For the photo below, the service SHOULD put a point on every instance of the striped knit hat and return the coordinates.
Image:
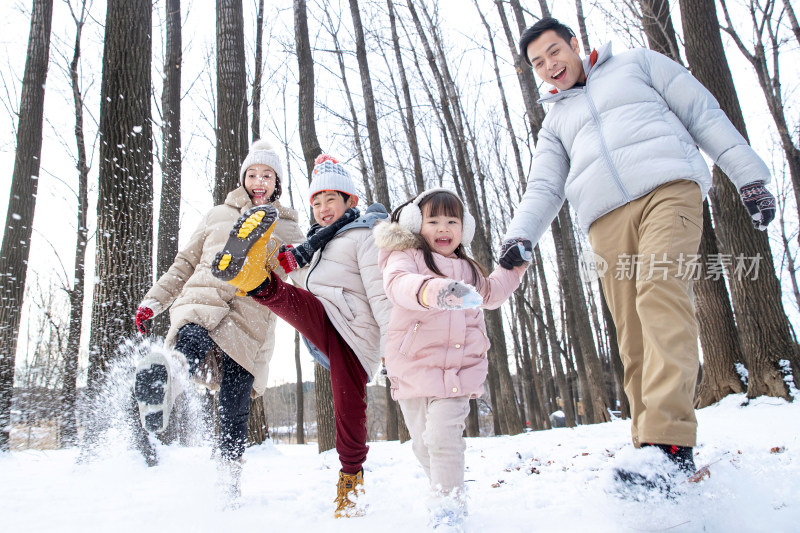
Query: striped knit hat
(330, 175)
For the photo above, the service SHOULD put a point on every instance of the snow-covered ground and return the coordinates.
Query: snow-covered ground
(556, 480)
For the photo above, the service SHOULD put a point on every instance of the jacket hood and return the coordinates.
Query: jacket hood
(284, 212)
(393, 237)
(373, 214)
(238, 198)
(590, 62)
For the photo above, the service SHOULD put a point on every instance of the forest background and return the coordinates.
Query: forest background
(409, 95)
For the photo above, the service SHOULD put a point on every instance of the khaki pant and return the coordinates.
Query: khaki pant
(436, 426)
(646, 245)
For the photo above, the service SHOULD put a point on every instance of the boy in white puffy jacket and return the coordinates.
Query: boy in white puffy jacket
(620, 142)
(342, 312)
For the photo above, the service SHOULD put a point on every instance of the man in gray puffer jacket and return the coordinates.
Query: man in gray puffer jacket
(620, 142)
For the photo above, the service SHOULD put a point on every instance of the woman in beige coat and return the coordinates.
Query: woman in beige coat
(206, 312)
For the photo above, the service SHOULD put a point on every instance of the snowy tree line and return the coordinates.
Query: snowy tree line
(411, 94)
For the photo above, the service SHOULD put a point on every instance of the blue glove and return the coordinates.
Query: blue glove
(759, 203)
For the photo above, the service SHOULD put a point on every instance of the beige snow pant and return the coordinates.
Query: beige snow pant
(436, 426)
(648, 245)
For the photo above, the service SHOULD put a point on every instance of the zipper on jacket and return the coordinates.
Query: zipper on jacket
(314, 266)
(410, 340)
(606, 153)
(319, 256)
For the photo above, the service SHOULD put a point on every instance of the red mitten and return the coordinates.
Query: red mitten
(142, 314)
(286, 258)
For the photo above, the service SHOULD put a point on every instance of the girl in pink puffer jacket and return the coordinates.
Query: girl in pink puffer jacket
(436, 340)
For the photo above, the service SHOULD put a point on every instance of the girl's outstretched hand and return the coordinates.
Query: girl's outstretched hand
(449, 295)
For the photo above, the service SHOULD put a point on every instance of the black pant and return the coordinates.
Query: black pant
(234, 391)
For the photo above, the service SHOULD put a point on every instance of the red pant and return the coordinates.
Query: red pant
(304, 312)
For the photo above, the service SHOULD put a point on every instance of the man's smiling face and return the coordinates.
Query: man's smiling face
(556, 61)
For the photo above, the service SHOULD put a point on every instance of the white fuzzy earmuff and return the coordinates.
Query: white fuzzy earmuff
(411, 216)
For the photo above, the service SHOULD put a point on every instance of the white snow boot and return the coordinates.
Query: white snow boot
(447, 512)
(156, 386)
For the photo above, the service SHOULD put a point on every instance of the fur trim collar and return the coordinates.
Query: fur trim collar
(392, 236)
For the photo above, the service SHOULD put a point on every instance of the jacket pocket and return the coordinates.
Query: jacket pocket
(408, 340)
(687, 230)
(344, 307)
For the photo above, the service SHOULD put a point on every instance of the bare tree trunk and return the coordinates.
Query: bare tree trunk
(718, 336)
(504, 102)
(530, 91)
(125, 194)
(537, 403)
(658, 28)
(354, 116)
(597, 403)
(555, 347)
(392, 430)
(257, 73)
(76, 295)
(524, 373)
(170, 206)
(306, 125)
(543, 7)
(770, 84)
(299, 394)
(231, 127)
(616, 361)
(506, 410)
(410, 125)
(402, 429)
(257, 427)
(473, 420)
(791, 266)
(378, 166)
(22, 202)
(326, 427)
(587, 48)
(546, 382)
(757, 305)
(787, 4)
(323, 391)
(716, 326)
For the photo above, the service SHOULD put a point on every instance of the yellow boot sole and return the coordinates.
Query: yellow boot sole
(250, 254)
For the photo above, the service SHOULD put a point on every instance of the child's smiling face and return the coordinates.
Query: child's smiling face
(441, 232)
(329, 206)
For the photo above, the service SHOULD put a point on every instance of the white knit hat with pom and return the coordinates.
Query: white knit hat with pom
(261, 153)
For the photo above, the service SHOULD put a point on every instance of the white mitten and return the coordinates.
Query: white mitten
(449, 295)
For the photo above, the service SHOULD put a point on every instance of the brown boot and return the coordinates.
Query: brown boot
(349, 489)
